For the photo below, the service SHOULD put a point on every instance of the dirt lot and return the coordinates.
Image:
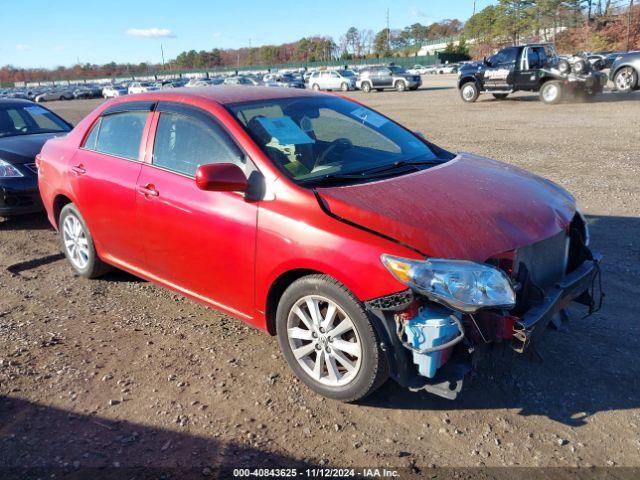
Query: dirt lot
(120, 373)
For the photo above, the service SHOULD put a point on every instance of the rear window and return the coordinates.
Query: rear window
(28, 120)
(118, 134)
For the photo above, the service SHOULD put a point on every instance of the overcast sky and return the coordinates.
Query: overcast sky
(46, 33)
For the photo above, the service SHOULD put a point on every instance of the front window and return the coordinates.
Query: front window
(183, 143)
(320, 138)
(29, 120)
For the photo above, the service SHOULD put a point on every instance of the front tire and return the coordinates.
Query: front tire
(551, 92)
(500, 96)
(365, 87)
(469, 92)
(401, 85)
(328, 340)
(344, 87)
(625, 80)
(77, 244)
(316, 87)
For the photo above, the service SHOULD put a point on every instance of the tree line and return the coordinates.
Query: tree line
(574, 25)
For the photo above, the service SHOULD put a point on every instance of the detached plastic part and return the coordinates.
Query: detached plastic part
(432, 327)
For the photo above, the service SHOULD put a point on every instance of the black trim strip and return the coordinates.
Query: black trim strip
(130, 107)
(326, 210)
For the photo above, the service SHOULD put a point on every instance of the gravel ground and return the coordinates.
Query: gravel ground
(120, 373)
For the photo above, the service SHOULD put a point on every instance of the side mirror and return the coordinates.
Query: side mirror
(221, 177)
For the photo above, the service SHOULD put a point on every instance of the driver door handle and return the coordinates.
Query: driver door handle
(148, 191)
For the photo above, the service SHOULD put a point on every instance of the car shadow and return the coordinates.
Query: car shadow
(40, 441)
(589, 367)
(36, 221)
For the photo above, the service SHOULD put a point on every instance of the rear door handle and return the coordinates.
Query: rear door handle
(79, 169)
(148, 190)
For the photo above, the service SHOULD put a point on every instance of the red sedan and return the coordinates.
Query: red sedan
(369, 251)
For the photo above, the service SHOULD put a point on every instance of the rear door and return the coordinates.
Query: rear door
(526, 76)
(105, 171)
(199, 242)
(334, 80)
(384, 77)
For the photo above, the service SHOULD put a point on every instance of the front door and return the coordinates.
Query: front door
(199, 242)
(104, 177)
(499, 75)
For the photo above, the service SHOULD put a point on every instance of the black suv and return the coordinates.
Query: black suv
(380, 78)
(534, 68)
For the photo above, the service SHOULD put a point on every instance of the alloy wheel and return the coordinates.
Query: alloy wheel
(324, 341)
(624, 79)
(75, 242)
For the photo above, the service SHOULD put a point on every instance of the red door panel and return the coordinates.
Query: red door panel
(104, 187)
(201, 243)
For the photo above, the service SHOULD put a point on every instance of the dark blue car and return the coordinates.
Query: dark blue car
(24, 128)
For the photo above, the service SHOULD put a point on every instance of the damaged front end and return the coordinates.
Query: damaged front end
(433, 332)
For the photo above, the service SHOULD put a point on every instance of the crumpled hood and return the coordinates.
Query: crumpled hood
(24, 148)
(468, 208)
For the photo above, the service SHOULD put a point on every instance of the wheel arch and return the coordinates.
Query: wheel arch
(59, 202)
(467, 79)
(277, 288)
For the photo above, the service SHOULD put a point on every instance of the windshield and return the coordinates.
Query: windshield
(397, 70)
(312, 138)
(28, 120)
(346, 73)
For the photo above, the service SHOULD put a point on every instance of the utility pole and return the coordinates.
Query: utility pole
(162, 53)
(629, 25)
(474, 7)
(388, 33)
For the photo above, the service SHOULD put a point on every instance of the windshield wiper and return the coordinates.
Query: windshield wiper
(378, 172)
(401, 163)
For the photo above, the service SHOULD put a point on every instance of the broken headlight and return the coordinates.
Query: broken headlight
(459, 284)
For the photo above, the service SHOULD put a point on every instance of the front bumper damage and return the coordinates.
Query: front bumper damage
(579, 285)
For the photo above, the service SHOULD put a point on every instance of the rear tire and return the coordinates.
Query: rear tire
(551, 92)
(625, 80)
(469, 92)
(337, 351)
(77, 244)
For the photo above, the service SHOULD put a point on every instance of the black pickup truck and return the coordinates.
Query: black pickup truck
(534, 68)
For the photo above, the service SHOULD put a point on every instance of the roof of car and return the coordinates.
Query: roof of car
(15, 102)
(224, 94)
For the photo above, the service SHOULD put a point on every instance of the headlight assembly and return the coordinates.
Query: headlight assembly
(580, 66)
(459, 284)
(9, 171)
(564, 67)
